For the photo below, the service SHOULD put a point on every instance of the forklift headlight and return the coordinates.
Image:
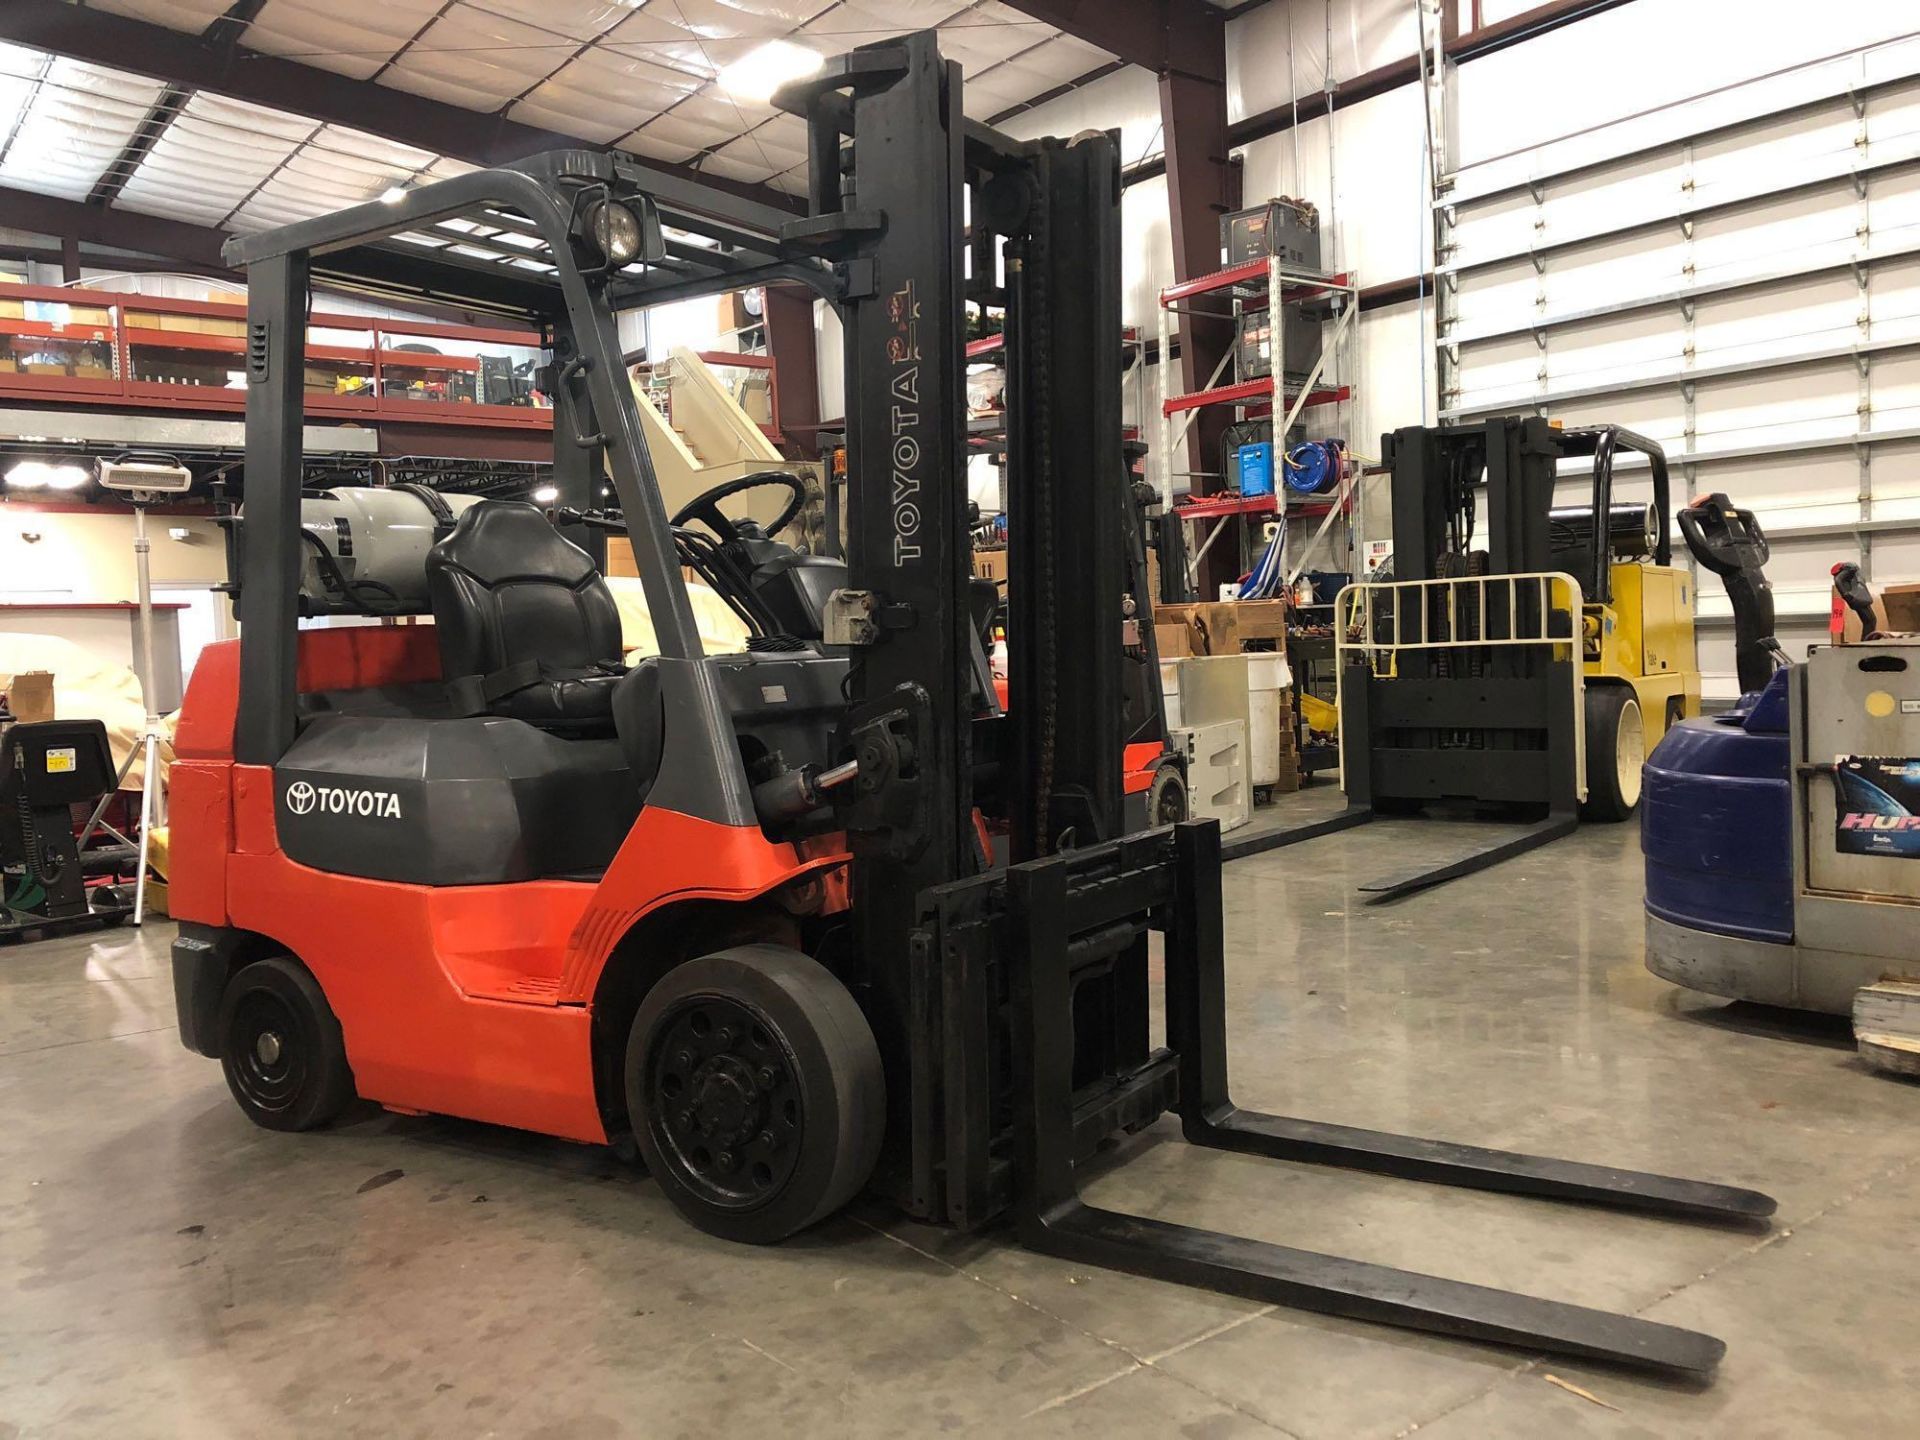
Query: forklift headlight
(616, 232)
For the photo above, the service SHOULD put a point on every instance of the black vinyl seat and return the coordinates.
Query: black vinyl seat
(527, 627)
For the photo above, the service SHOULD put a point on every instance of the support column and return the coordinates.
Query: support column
(1202, 186)
(790, 341)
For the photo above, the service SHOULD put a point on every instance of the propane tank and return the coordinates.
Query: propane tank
(376, 542)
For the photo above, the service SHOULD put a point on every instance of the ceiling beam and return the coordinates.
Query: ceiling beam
(118, 229)
(1099, 72)
(163, 113)
(118, 43)
(1158, 35)
(225, 32)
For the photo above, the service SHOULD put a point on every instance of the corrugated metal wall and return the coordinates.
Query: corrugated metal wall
(1681, 145)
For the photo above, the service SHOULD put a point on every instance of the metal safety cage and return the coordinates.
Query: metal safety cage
(596, 423)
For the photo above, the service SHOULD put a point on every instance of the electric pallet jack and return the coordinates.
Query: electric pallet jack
(1780, 835)
(743, 908)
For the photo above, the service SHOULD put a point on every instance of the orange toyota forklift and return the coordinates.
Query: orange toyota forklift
(744, 909)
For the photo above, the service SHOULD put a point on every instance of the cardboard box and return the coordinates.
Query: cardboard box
(1260, 620)
(990, 565)
(42, 367)
(1902, 606)
(1229, 627)
(91, 370)
(30, 696)
(11, 309)
(1173, 639)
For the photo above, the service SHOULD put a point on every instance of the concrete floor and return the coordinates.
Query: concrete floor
(169, 1270)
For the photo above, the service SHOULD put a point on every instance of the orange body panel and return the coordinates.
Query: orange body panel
(1137, 766)
(459, 1000)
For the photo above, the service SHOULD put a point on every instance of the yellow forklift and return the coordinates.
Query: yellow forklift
(1640, 663)
(1520, 655)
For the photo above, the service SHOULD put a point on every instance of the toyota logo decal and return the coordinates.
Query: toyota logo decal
(300, 797)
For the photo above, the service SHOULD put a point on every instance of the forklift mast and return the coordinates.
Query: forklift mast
(891, 152)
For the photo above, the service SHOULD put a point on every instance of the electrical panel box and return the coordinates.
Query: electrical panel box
(1284, 227)
(1254, 466)
(1289, 229)
(1253, 345)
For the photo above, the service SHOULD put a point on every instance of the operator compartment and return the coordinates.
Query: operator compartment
(527, 757)
(533, 749)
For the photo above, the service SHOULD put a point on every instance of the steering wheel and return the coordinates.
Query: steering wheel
(705, 507)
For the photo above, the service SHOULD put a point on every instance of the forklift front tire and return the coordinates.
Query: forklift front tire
(281, 1048)
(755, 1090)
(1167, 798)
(1616, 749)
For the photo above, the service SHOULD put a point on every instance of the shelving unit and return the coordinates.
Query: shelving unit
(1250, 287)
(81, 346)
(987, 434)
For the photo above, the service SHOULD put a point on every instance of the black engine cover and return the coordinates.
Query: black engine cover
(483, 801)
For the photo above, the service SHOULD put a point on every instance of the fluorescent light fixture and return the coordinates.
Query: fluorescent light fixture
(393, 195)
(546, 494)
(40, 475)
(755, 76)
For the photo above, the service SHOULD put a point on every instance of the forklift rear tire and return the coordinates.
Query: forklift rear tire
(281, 1048)
(1616, 749)
(756, 1093)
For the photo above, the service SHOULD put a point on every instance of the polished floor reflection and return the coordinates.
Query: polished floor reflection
(169, 1270)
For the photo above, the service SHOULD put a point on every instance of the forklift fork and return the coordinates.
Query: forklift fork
(1558, 823)
(1053, 1219)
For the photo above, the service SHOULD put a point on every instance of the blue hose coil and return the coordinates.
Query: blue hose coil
(1313, 468)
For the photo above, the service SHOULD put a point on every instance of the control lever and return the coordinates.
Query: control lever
(1729, 541)
(793, 793)
(1850, 588)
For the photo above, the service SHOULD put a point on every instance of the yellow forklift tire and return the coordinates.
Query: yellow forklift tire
(1616, 749)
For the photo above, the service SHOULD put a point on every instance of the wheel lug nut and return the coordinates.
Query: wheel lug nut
(728, 1160)
(684, 1059)
(767, 1077)
(769, 1139)
(686, 1119)
(725, 1036)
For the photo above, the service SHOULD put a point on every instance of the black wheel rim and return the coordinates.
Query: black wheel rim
(267, 1048)
(723, 1100)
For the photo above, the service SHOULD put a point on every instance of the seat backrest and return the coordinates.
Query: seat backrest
(507, 587)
